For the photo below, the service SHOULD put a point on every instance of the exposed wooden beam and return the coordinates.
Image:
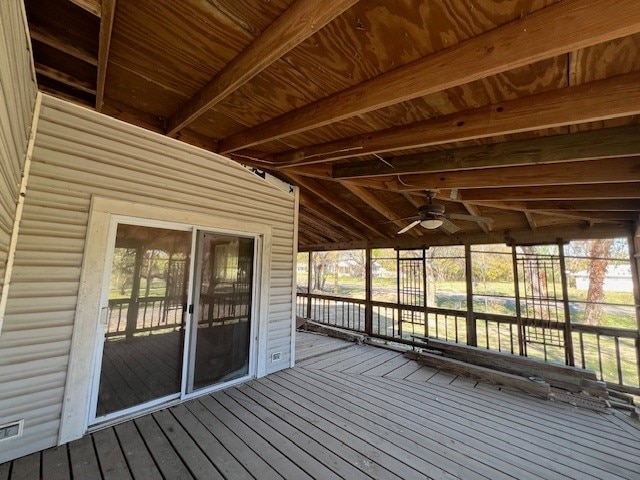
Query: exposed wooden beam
(64, 78)
(523, 236)
(474, 210)
(65, 96)
(531, 220)
(622, 205)
(589, 145)
(378, 205)
(573, 192)
(600, 100)
(329, 216)
(92, 6)
(554, 30)
(54, 40)
(104, 43)
(570, 173)
(308, 220)
(317, 189)
(301, 20)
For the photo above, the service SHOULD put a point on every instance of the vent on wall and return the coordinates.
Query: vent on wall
(11, 430)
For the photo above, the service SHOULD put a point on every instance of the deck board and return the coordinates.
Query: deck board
(349, 411)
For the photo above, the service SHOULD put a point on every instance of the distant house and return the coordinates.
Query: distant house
(618, 278)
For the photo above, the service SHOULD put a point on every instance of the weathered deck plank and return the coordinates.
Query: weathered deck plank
(356, 412)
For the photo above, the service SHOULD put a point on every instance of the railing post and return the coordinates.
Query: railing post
(568, 338)
(472, 334)
(516, 281)
(309, 284)
(634, 252)
(368, 310)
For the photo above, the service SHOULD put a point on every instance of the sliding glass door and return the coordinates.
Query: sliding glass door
(222, 309)
(157, 344)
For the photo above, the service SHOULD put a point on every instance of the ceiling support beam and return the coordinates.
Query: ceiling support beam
(106, 27)
(54, 40)
(329, 216)
(64, 78)
(309, 220)
(569, 174)
(383, 209)
(583, 205)
(317, 189)
(590, 102)
(554, 30)
(610, 191)
(294, 26)
(589, 145)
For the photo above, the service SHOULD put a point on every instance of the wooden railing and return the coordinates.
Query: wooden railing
(611, 352)
(153, 313)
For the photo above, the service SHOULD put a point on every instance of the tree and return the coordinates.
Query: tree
(599, 253)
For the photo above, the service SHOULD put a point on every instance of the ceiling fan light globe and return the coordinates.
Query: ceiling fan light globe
(431, 224)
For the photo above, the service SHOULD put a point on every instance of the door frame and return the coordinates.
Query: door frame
(76, 408)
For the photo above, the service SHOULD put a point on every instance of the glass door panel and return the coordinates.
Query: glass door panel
(222, 309)
(144, 333)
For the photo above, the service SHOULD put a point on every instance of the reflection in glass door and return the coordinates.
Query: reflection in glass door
(144, 332)
(222, 309)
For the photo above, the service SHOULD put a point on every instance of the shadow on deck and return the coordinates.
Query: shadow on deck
(354, 412)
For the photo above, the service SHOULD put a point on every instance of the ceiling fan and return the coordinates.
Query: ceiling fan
(432, 216)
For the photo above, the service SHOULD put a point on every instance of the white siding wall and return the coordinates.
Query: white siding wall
(17, 97)
(79, 153)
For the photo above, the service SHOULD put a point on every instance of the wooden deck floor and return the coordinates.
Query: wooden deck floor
(355, 412)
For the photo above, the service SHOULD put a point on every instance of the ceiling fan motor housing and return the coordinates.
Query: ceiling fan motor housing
(431, 210)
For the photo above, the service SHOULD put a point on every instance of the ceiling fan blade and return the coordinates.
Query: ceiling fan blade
(412, 217)
(408, 227)
(470, 218)
(449, 226)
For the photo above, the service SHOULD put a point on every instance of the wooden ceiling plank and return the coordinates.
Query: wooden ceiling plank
(552, 31)
(104, 44)
(308, 220)
(589, 145)
(294, 26)
(570, 173)
(606, 191)
(64, 78)
(328, 216)
(383, 209)
(609, 98)
(92, 6)
(54, 40)
(318, 190)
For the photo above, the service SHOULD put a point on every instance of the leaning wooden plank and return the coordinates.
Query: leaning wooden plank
(334, 332)
(580, 400)
(511, 363)
(540, 389)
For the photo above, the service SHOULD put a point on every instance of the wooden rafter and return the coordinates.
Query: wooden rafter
(106, 26)
(558, 29)
(474, 210)
(92, 6)
(531, 220)
(308, 220)
(301, 20)
(54, 40)
(317, 189)
(589, 145)
(564, 192)
(329, 216)
(309, 226)
(604, 99)
(64, 78)
(583, 205)
(378, 205)
(570, 173)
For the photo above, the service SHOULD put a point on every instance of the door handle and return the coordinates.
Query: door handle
(103, 315)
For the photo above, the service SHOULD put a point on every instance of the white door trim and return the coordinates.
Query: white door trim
(77, 399)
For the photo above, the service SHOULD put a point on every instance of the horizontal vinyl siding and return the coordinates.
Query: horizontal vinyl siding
(79, 153)
(17, 98)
